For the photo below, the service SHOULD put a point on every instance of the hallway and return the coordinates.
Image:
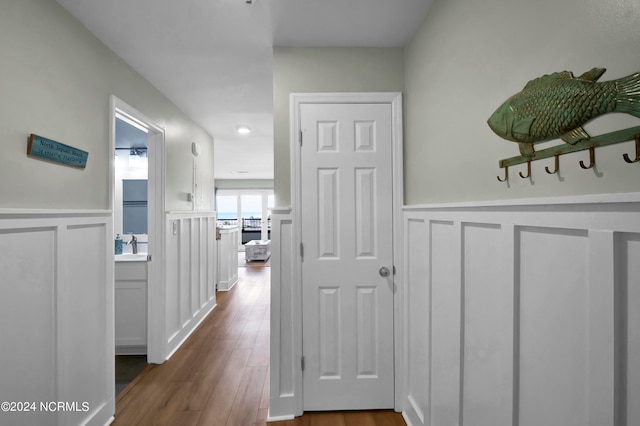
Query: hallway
(220, 374)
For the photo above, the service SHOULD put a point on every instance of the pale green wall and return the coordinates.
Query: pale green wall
(55, 81)
(470, 56)
(315, 70)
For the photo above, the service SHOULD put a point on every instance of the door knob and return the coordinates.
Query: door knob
(384, 272)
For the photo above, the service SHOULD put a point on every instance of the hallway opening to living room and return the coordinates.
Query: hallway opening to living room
(219, 375)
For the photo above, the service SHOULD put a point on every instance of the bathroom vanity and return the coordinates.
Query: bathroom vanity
(131, 304)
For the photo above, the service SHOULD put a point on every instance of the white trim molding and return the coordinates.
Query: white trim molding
(510, 306)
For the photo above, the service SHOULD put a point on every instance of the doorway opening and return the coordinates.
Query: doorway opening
(137, 205)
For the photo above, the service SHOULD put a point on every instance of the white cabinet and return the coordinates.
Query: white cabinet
(228, 257)
(131, 307)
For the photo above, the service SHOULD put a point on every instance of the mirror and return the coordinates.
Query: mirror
(134, 206)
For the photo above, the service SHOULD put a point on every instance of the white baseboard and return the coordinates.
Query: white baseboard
(278, 418)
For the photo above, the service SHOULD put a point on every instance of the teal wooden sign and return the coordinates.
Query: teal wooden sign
(51, 150)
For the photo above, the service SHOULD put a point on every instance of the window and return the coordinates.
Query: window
(227, 208)
(251, 206)
(248, 209)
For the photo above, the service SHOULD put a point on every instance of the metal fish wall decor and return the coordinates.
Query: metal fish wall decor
(558, 105)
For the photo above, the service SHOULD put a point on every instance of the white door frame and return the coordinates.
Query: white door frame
(156, 306)
(395, 100)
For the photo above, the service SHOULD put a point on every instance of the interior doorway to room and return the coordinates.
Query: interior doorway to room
(137, 203)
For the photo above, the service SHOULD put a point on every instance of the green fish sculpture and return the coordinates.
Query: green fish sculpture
(558, 105)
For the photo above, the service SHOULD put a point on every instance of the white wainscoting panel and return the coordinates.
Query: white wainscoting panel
(445, 321)
(418, 319)
(628, 348)
(523, 313)
(553, 326)
(285, 375)
(228, 257)
(56, 311)
(483, 300)
(190, 273)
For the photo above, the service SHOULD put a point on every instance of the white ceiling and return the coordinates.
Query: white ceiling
(213, 58)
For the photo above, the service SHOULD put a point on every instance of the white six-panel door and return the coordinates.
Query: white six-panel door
(346, 218)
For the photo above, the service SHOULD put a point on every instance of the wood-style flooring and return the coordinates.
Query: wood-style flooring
(220, 375)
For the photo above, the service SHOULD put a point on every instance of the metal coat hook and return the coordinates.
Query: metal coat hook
(592, 159)
(626, 156)
(506, 175)
(591, 143)
(557, 165)
(528, 171)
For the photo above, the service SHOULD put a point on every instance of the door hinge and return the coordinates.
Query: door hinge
(302, 362)
(148, 258)
(302, 251)
(300, 137)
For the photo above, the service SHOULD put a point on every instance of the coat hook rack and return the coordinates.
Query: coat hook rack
(632, 133)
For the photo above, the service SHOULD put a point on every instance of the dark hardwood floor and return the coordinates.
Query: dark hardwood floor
(220, 375)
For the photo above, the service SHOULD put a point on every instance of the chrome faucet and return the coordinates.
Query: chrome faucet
(134, 244)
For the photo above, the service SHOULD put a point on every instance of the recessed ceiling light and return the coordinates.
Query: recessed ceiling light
(243, 130)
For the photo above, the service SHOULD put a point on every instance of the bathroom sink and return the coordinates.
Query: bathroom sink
(129, 257)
